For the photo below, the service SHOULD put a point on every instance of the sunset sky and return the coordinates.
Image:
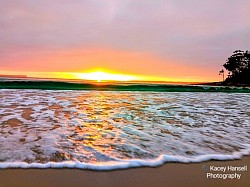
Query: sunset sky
(171, 40)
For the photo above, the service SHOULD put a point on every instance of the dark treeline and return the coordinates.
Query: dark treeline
(238, 66)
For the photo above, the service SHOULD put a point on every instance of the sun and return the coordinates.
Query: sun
(100, 76)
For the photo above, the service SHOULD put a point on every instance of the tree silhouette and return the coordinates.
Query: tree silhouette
(238, 66)
(222, 73)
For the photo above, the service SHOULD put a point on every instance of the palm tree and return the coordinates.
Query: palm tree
(221, 72)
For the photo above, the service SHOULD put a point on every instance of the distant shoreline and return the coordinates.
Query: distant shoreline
(30, 79)
(224, 84)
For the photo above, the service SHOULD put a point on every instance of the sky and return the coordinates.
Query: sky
(172, 40)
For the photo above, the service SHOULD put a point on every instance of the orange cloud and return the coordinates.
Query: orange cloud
(143, 65)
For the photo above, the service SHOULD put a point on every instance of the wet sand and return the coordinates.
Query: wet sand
(170, 174)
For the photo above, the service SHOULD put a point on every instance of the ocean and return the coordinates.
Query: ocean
(106, 129)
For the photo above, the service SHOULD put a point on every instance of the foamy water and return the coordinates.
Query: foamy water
(110, 130)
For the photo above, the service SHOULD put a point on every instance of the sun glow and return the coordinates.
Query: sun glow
(100, 76)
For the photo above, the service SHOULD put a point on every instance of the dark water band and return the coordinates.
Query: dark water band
(54, 85)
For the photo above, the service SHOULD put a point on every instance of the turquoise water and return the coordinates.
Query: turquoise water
(54, 85)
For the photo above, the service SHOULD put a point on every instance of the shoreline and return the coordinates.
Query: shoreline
(222, 84)
(169, 174)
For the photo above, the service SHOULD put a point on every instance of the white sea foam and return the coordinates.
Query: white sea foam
(111, 130)
(124, 164)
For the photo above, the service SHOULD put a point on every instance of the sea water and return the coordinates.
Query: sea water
(107, 130)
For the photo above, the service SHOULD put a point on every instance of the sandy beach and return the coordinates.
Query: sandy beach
(170, 174)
